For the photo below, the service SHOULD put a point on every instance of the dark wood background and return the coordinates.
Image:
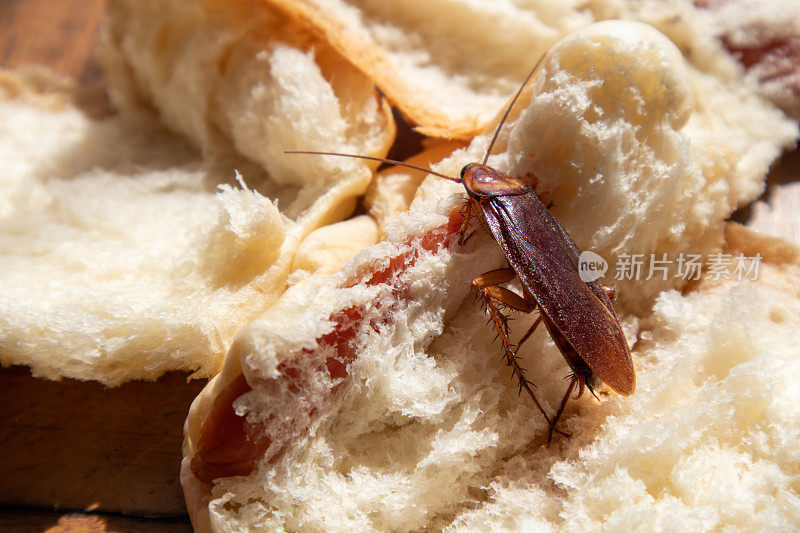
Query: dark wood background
(57, 33)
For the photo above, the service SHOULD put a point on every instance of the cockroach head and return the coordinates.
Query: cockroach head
(483, 181)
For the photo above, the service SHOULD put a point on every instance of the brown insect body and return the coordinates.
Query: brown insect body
(579, 315)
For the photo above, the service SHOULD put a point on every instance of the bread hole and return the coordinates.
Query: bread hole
(232, 506)
(777, 315)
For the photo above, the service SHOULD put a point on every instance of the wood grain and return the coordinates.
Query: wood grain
(58, 33)
(37, 521)
(79, 445)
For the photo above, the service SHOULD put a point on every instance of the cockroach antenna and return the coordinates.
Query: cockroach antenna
(510, 106)
(379, 159)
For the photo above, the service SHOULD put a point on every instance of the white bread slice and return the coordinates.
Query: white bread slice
(125, 254)
(122, 258)
(425, 428)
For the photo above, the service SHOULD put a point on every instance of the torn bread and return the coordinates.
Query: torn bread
(445, 66)
(241, 76)
(433, 435)
(125, 253)
(640, 154)
(374, 399)
(449, 66)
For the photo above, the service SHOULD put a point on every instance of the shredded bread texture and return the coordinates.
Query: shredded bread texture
(438, 437)
(116, 254)
(638, 152)
(375, 398)
(427, 429)
(449, 66)
(239, 76)
(761, 36)
(125, 253)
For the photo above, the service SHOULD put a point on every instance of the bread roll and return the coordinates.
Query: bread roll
(374, 399)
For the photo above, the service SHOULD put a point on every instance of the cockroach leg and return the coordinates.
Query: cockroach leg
(486, 287)
(530, 332)
(576, 379)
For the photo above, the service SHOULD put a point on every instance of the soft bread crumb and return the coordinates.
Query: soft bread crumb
(428, 430)
(117, 259)
(121, 257)
(446, 66)
(241, 76)
(450, 66)
(435, 435)
(708, 439)
(752, 41)
(326, 249)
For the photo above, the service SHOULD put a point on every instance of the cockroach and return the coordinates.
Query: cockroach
(579, 315)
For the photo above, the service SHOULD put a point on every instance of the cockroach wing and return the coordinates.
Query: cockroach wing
(545, 258)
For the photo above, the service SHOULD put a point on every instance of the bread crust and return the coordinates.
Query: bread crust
(368, 56)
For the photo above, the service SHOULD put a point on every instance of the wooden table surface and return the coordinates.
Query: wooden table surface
(77, 456)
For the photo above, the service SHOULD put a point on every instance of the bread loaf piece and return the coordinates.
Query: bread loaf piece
(374, 399)
(638, 152)
(240, 76)
(448, 66)
(428, 430)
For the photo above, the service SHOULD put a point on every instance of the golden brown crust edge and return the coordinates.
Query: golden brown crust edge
(368, 57)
